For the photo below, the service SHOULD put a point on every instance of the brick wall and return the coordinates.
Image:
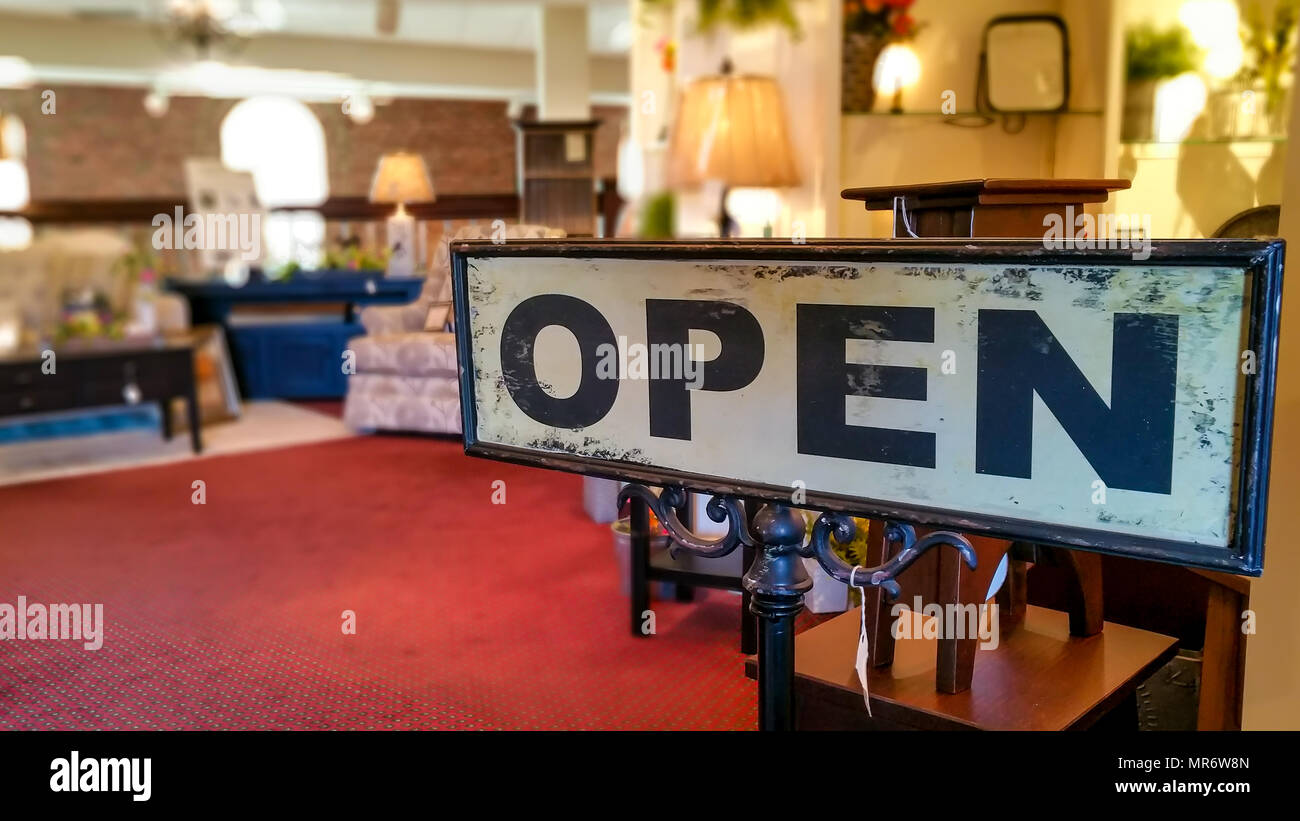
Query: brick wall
(101, 144)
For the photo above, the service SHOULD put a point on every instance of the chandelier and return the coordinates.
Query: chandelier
(209, 26)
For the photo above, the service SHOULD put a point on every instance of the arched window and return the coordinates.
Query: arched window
(282, 143)
(15, 232)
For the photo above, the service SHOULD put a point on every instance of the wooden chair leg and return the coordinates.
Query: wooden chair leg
(1083, 587)
(1084, 594)
(956, 663)
(879, 635)
(1012, 598)
(1219, 707)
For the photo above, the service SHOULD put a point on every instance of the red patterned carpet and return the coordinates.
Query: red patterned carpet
(227, 615)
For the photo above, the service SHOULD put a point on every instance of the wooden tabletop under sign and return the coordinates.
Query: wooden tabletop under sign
(996, 191)
(1038, 678)
(984, 208)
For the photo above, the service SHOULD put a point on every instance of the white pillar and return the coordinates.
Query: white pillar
(563, 65)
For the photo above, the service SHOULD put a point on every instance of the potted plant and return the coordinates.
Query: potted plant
(711, 15)
(828, 595)
(1270, 51)
(1151, 55)
(869, 26)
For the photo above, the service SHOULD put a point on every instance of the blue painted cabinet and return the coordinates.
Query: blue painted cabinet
(300, 360)
(288, 355)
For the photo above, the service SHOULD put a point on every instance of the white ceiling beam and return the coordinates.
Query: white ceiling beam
(125, 53)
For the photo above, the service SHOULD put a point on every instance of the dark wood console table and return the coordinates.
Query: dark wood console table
(96, 377)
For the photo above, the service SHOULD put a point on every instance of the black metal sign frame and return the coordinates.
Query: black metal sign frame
(1259, 261)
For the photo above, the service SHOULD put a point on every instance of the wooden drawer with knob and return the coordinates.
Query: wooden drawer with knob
(93, 378)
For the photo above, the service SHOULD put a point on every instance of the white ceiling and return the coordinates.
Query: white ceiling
(506, 24)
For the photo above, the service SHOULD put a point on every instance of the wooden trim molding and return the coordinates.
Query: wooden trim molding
(448, 207)
(445, 207)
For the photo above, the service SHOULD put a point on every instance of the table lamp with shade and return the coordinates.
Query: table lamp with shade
(401, 178)
(732, 128)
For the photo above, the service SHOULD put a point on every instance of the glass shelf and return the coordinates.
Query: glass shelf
(961, 114)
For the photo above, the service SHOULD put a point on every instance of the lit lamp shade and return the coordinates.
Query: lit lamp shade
(401, 178)
(732, 128)
(897, 68)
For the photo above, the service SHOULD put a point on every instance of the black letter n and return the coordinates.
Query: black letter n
(1130, 444)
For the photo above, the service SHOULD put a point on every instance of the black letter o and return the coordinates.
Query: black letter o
(594, 396)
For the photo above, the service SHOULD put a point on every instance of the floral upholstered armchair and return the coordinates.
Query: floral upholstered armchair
(406, 376)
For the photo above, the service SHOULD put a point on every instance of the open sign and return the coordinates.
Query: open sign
(1074, 398)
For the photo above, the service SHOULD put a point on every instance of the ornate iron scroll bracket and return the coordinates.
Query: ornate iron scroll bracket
(842, 529)
(719, 509)
(777, 579)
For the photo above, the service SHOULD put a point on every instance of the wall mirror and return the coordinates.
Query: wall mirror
(1026, 63)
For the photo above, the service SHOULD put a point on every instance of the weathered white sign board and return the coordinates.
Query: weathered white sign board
(1076, 398)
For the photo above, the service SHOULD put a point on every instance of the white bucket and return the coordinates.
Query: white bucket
(827, 594)
(600, 498)
(623, 550)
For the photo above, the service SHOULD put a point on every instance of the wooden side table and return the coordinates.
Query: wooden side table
(644, 571)
(1038, 678)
